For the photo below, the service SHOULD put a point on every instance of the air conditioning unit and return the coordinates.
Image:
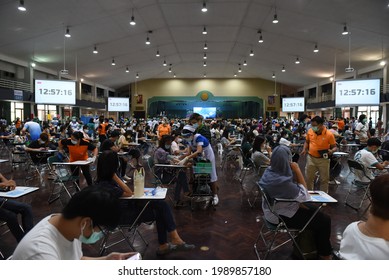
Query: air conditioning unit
(349, 70)
(64, 72)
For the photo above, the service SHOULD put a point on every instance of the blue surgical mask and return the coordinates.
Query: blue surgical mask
(315, 128)
(95, 236)
(74, 142)
(167, 147)
(364, 121)
(196, 125)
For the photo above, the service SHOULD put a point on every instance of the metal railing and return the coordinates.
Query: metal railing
(4, 83)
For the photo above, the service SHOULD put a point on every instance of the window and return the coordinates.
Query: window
(17, 110)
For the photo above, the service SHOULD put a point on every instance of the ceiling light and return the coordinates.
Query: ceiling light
(205, 64)
(204, 8)
(147, 40)
(297, 60)
(137, 76)
(283, 69)
(275, 18)
(273, 76)
(21, 6)
(251, 53)
(240, 70)
(205, 56)
(345, 31)
(132, 22)
(67, 34)
(205, 75)
(245, 63)
(170, 69)
(157, 54)
(95, 51)
(33, 64)
(383, 63)
(235, 75)
(81, 79)
(205, 31)
(164, 63)
(205, 46)
(113, 62)
(127, 70)
(174, 75)
(332, 79)
(316, 50)
(260, 37)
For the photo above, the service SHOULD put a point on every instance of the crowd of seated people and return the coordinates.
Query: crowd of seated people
(267, 142)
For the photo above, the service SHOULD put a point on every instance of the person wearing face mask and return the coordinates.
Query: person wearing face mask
(367, 157)
(41, 144)
(197, 121)
(60, 236)
(362, 133)
(175, 148)
(284, 179)
(320, 145)
(163, 155)
(78, 150)
(200, 146)
(163, 129)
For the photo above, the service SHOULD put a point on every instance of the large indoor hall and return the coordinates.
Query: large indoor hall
(194, 130)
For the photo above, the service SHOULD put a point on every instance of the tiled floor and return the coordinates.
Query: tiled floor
(228, 232)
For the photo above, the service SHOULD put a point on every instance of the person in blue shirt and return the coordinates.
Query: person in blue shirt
(33, 128)
(200, 146)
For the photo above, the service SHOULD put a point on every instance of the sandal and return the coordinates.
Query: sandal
(167, 250)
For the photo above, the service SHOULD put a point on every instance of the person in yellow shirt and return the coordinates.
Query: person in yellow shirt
(164, 128)
(320, 145)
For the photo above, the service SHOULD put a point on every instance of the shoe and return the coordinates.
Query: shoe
(185, 247)
(125, 177)
(215, 200)
(169, 249)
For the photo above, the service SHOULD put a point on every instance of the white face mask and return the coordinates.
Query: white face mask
(86, 130)
(179, 140)
(74, 142)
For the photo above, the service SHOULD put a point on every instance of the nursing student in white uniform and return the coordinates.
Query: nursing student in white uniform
(60, 236)
(201, 146)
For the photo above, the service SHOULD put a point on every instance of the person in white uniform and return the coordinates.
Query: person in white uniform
(200, 146)
(60, 236)
(370, 240)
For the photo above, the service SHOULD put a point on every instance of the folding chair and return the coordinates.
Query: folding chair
(273, 230)
(3, 224)
(62, 177)
(156, 180)
(361, 190)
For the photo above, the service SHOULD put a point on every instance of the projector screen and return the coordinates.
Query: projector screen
(117, 104)
(55, 92)
(293, 104)
(206, 112)
(357, 92)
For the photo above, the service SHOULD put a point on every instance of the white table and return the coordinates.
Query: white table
(78, 162)
(150, 194)
(321, 197)
(19, 191)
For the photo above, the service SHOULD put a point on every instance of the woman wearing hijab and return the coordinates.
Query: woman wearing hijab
(284, 179)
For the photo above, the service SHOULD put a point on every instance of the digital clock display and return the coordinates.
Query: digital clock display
(357, 92)
(118, 104)
(293, 104)
(55, 92)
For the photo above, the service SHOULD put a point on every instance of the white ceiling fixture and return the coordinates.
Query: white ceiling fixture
(137, 76)
(127, 70)
(315, 49)
(283, 70)
(21, 6)
(113, 63)
(205, 31)
(205, 46)
(275, 17)
(235, 75)
(132, 21)
(273, 76)
(345, 30)
(245, 63)
(95, 51)
(205, 64)
(251, 53)
(240, 68)
(205, 56)
(297, 60)
(174, 75)
(67, 33)
(205, 75)
(33, 64)
(260, 36)
(170, 68)
(157, 54)
(204, 8)
(164, 63)
(148, 38)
